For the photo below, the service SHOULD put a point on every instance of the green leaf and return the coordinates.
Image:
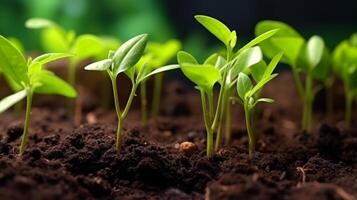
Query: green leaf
(211, 60)
(49, 83)
(291, 47)
(185, 57)
(257, 70)
(258, 39)
(37, 23)
(156, 71)
(100, 65)
(54, 39)
(12, 62)
(244, 85)
(261, 84)
(163, 53)
(265, 100)
(220, 63)
(87, 46)
(10, 100)
(50, 57)
(129, 53)
(204, 76)
(314, 50)
(323, 70)
(17, 43)
(246, 59)
(216, 27)
(268, 47)
(272, 65)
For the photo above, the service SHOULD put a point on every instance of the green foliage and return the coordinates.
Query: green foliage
(29, 77)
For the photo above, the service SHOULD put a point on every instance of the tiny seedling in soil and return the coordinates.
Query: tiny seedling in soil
(32, 78)
(127, 59)
(310, 57)
(222, 69)
(345, 66)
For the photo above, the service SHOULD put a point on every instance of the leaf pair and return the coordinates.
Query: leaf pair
(30, 76)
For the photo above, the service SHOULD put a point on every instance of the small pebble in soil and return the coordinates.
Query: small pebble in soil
(188, 148)
(91, 118)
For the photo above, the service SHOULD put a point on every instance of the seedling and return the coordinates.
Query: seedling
(247, 93)
(54, 38)
(222, 69)
(345, 66)
(31, 78)
(310, 57)
(126, 60)
(157, 55)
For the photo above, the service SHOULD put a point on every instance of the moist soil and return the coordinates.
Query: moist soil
(64, 161)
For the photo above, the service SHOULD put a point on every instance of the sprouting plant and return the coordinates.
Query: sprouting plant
(125, 60)
(54, 38)
(157, 55)
(310, 57)
(345, 66)
(247, 93)
(222, 69)
(31, 78)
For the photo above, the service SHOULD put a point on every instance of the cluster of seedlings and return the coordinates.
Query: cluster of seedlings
(238, 73)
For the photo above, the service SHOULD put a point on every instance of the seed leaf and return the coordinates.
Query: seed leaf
(87, 46)
(246, 59)
(49, 83)
(54, 39)
(129, 53)
(100, 65)
(258, 39)
(50, 57)
(291, 47)
(156, 71)
(257, 70)
(314, 50)
(185, 57)
(211, 60)
(244, 85)
(216, 27)
(261, 84)
(12, 62)
(204, 76)
(272, 65)
(10, 100)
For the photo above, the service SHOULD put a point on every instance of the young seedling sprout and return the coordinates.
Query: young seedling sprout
(31, 78)
(345, 66)
(310, 57)
(157, 55)
(222, 69)
(125, 60)
(247, 91)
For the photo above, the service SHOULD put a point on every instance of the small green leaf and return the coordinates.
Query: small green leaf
(156, 71)
(233, 40)
(100, 65)
(272, 65)
(323, 70)
(211, 60)
(37, 23)
(205, 76)
(50, 57)
(216, 27)
(87, 46)
(314, 50)
(246, 59)
(129, 53)
(49, 83)
(10, 100)
(54, 39)
(163, 53)
(258, 39)
(261, 84)
(257, 70)
(12, 62)
(185, 57)
(244, 85)
(220, 63)
(291, 47)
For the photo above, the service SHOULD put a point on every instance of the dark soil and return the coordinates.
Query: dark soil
(67, 162)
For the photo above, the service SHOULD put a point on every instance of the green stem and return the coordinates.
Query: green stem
(298, 83)
(130, 100)
(348, 111)
(71, 76)
(251, 136)
(27, 121)
(118, 112)
(228, 119)
(209, 131)
(308, 100)
(221, 119)
(157, 94)
(144, 110)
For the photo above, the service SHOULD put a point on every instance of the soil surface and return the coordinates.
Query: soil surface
(64, 161)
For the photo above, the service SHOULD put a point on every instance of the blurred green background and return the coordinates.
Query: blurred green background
(165, 19)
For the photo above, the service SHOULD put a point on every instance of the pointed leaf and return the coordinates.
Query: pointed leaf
(244, 85)
(246, 59)
(185, 57)
(12, 62)
(50, 57)
(129, 54)
(100, 65)
(314, 50)
(261, 84)
(87, 46)
(211, 60)
(258, 39)
(257, 70)
(156, 71)
(272, 65)
(216, 27)
(10, 100)
(204, 76)
(291, 47)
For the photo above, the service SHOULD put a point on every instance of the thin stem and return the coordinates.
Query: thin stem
(118, 112)
(71, 76)
(27, 122)
(157, 94)
(348, 111)
(221, 119)
(130, 100)
(298, 83)
(144, 110)
(308, 100)
(209, 131)
(251, 136)
(228, 123)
